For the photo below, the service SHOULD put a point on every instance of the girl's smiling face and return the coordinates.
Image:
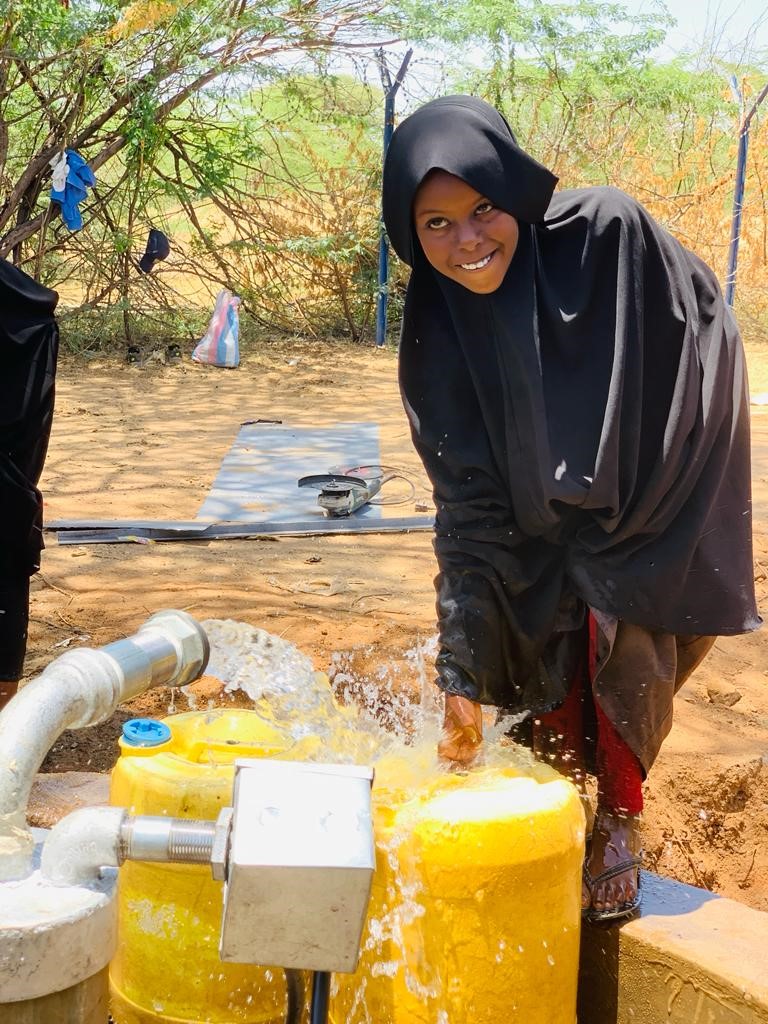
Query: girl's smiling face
(463, 235)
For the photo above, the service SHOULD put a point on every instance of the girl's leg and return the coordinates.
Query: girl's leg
(558, 736)
(559, 739)
(619, 773)
(616, 832)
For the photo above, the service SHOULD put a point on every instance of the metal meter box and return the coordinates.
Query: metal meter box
(299, 865)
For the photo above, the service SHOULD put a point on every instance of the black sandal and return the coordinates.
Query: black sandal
(625, 909)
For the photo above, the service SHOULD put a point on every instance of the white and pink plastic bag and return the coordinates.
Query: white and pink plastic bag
(220, 346)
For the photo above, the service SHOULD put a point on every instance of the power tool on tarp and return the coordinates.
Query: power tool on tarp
(343, 490)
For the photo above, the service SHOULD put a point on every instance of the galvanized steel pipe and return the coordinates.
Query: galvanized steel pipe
(159, 839)
(79, 689)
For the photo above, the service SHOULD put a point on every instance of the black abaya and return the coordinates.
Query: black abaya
(585, 426)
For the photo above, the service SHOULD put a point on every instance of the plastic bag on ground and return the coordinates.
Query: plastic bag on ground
(220, 345)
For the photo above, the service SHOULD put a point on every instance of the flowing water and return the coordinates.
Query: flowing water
(379, 725)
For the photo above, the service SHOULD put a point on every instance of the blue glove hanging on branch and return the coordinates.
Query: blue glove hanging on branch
(71, 179)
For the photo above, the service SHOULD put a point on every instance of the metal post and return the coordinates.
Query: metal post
(738, 195)
(390, 90)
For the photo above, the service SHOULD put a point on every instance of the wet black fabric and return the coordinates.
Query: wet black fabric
(28, 352)
(585, 427)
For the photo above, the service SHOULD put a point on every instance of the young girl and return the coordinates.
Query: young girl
(576, 390)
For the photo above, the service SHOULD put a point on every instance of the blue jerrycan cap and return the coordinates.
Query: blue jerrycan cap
(145, 732)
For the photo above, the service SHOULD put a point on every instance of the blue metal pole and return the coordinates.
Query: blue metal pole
(381, 295)
(738, 194)
(390, 91)
(738, 200)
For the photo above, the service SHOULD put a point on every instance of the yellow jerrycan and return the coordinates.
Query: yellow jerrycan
(167, 967)
(476, 903)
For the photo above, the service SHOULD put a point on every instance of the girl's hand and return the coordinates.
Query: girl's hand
(462, 731)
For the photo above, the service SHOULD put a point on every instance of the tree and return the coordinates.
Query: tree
(106, 79)
(578, 83)
(290, 222)
(577, 39)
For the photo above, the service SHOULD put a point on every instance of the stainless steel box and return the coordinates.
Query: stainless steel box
(299, 866)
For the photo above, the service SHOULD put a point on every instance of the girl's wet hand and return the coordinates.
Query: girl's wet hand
(462, 731)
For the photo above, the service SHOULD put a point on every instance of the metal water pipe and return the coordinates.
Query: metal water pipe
(82, 688)
(390, 91)
(58, 925)
(282, 905)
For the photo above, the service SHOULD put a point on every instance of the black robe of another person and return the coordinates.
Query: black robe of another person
(29, 342)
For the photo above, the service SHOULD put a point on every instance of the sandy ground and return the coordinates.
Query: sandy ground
(146, 442)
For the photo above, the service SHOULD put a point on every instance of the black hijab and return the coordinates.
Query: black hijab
(28, 353)
(585, 426)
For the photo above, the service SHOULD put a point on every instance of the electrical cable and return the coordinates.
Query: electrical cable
(386, 473)
(321, 988)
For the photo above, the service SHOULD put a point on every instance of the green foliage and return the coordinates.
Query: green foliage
(161, 98)
(229, 126)
(584, 42)
(111, 79)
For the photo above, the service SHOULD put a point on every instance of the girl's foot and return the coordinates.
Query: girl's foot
(612, 869)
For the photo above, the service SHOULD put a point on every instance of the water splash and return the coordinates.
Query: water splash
(357, 721)
(388, 717)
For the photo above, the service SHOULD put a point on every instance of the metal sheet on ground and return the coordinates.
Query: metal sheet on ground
(257, 482)
(105, 532)
(256, 493)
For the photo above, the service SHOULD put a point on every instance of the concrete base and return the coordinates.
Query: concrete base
(84, 1003)
(53, 937)
(690, 958)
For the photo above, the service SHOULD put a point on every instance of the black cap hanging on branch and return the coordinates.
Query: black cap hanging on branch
(158, 248)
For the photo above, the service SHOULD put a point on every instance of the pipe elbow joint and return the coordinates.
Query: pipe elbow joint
(81, 844)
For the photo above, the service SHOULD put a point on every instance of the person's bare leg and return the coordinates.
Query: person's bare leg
(8, 689)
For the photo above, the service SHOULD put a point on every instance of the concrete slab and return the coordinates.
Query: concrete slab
(691, 957)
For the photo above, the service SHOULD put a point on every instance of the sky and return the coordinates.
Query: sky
(737, 29)
(737, 25)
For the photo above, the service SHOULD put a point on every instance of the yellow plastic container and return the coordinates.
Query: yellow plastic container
(475, 907)
(475, 910)
(167, 968)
